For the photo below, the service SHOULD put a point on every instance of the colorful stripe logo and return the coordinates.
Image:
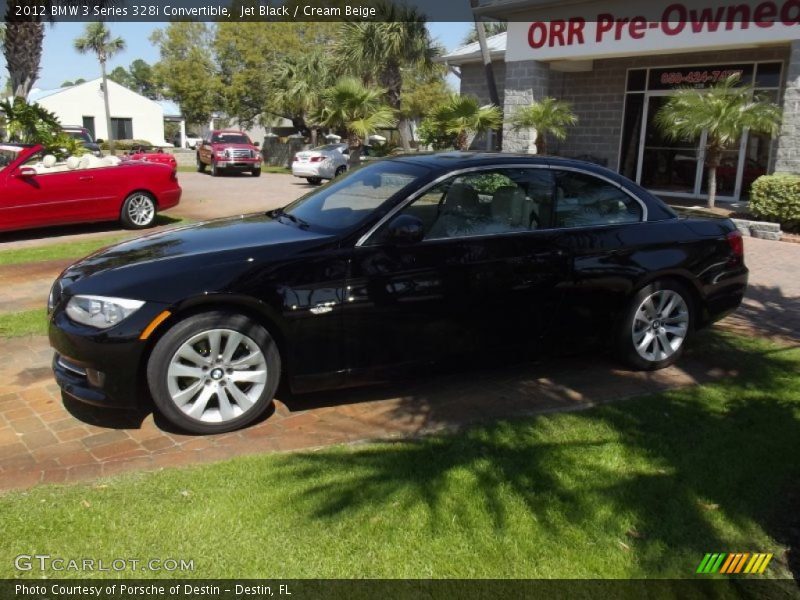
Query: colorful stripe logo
(731, 563)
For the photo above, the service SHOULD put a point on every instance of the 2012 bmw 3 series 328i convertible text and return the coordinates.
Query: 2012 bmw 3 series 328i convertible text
(404, 260)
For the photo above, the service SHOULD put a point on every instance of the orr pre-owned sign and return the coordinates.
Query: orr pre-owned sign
(621, 28)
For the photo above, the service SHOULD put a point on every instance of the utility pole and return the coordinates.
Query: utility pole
(487, 65)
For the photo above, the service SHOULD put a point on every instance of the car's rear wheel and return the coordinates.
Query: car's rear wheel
(138, 211)
(201, 166)
(657, 325)
(340, 171)
(256, 172)
(314, 180)
(214, 372)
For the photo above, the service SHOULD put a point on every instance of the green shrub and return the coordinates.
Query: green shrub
(777, 198)
(125, 144)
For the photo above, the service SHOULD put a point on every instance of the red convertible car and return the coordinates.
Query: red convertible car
(37, 190)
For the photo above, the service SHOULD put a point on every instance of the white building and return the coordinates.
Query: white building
(132, 116)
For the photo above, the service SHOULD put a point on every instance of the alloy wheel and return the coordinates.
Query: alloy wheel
(141, 210)
(660, 325)
(217, 375)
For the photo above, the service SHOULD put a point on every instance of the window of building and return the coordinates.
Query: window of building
(88, 124)
(122, 129)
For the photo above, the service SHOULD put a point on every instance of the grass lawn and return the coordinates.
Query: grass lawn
(25, 322)
(640, 488)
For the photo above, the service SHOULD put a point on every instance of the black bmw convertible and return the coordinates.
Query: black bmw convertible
(406, 260)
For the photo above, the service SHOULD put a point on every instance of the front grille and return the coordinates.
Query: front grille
(241, 153)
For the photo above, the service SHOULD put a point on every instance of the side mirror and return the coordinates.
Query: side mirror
(405, 229)
(26, 172)
(256, 144)
(99, 140)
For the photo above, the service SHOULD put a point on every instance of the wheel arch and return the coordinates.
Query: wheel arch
(259, 312)
(688, 281)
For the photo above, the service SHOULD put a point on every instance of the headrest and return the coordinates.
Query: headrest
(111, 161)
(73, 162)
(507, 203)
(49, 161)
(461, 198)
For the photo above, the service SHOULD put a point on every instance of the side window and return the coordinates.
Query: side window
(584, 200)
(486, 202)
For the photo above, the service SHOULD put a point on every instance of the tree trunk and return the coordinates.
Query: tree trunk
(392, 80)
(22, 49)
(111, 145)
(713, 161)
(354, 150)
(486, 57)
(462, 141)
(541, 143)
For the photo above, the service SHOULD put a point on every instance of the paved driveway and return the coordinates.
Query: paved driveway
(44, 439)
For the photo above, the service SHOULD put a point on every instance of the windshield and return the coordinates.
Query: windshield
(8, 154)
(230, 138)
(346, 202)
(81, 136)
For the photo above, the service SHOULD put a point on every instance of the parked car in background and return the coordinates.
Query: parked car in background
(84, 136)
(226, 150)
(191, 140)
(406, 260)
(322, 162)
(36, 190)
(152, 154)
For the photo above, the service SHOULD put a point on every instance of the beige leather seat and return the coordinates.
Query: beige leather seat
(461, 213)
(510, 207)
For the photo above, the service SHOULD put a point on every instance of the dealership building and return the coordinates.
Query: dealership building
(618, 61)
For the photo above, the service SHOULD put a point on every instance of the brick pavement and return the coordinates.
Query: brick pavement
(45, 439)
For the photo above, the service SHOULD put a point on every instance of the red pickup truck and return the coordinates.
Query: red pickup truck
(228, 150)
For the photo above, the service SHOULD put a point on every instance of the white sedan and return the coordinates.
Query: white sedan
(323, 162)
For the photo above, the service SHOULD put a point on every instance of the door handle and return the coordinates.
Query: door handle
(86, 178)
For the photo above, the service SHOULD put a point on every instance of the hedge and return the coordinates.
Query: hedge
(125, 144)
(776, 198)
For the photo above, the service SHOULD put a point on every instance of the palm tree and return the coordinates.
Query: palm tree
(22, 48)
(296, 85)
(491, 28)
(725, 111)
(462, 116)
(97, 39)
(356, 108)
(397, 40)
(548, 116)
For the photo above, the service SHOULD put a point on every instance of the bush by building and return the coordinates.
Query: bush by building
(777, 198)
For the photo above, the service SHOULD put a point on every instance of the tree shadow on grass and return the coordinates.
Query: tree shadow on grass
(671, 476)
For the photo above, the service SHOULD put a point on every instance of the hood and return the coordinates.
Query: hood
(198, 247)
(223, 145)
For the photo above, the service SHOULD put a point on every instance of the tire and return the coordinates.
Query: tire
(340, 171)
(314, 180)
(201, 166)
(215, 172)
(138, 211)
(658, 322)
(194, 391)
(256, 172)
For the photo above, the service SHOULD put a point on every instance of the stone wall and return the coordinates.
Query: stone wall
(598, 98)
(788, 155)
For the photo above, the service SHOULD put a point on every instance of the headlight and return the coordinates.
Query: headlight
(101, 312)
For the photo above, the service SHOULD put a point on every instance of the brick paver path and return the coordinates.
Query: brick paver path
(45, 439)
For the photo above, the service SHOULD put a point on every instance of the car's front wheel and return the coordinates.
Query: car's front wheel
(340, 171)
(215, 171)
(256, 172)
(214, 372)
(657, 324)
(138, 211)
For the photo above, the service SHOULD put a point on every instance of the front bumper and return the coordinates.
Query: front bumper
(238, 164)
(101, 367)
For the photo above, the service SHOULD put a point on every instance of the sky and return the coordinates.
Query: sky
(60, 62)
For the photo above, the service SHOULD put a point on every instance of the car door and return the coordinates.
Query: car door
(51, 196)
(600, 227)
(486, 274)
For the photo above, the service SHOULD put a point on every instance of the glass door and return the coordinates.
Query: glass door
(668, 166)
